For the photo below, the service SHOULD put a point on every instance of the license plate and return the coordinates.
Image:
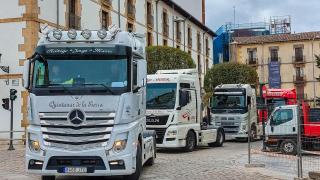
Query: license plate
(75, 170)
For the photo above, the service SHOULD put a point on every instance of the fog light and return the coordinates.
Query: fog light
(119, 145)
(86, 34)
(72, 34)
(102, 33)
(57, 33)
(172, 133)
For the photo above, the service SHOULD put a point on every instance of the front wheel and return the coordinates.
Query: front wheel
(190, 142)
(48, 177)
(288, 147)
(219, 140)
(136, 175)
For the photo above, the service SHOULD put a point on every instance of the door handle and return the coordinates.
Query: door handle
(272, 129)
(294, 129)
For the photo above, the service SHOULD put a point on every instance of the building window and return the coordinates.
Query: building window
(207, 48)
(274, 55)
(252, 56)
(178, 31)
(199, 65)
(130, 27)
(131, 9)
(165, 24)
(73, 19)
(298, 54)
(105, 20)
(165, 42)
(190, 37)
(150, 19)
(199, 42)
(299, 73)
(149, 39)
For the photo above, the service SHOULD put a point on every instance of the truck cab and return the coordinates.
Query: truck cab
(233, 106)
(174, 111)
(87, 105)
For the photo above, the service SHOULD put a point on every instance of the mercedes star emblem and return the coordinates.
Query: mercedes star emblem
(76, 117)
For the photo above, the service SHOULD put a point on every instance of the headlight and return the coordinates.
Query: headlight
(172, 133)
(86, 34)
(34, 144)
(119, 145)
(72, 34)
(57, 33)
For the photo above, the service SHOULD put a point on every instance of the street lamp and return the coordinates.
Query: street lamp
(184, 30)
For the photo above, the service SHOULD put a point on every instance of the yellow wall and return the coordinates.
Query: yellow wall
(287, 67)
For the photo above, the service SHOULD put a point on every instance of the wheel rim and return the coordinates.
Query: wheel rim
(288, 147)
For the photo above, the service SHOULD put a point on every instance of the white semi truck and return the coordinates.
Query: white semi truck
(87, 105)
(174, 111)
(232, 105)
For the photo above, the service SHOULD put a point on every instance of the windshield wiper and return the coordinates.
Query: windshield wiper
(105, 87)
(63, 86)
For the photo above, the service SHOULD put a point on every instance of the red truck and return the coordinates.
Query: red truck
(275, 98)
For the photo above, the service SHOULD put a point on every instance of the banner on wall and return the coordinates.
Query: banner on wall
(274, 75)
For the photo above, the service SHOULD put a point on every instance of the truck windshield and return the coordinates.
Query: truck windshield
(108, 74)
(228, 102)
(161, 96)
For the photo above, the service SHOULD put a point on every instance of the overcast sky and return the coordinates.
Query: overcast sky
(305, 14)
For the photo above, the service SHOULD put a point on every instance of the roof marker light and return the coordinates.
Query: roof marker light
(86, 34)
(102, 33)
(57, 33)
(72, 34)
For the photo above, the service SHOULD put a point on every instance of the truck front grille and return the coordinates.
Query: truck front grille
(59, 132)
(160, 134)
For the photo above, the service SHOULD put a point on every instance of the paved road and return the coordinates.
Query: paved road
(204, 163)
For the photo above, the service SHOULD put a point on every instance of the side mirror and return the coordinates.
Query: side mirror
(249, 100)
(25, 80)
(183, 98)
(141, 73)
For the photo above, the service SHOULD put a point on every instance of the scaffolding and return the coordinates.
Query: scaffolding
(280, 24)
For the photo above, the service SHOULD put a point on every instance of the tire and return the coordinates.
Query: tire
(288, 147)
(190, 142)
(136, 175)
(253, 135)
(150, 161)
(219, 141)
(48, 177)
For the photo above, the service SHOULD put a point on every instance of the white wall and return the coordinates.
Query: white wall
(11, 9)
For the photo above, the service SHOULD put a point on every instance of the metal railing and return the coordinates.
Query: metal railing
(298, 59)
(131, 11)
(74, 21)
(299, 79)
(277, 59)
(252, 61)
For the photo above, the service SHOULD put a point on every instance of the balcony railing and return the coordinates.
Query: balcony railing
(252, 61)
(131, 11)
(299, 79)
(278, 59)
(150, 21)
(106, 2)
(165, 29)
(74, 21)
(298, 59)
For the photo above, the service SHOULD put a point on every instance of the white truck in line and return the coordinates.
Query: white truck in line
(174, 111)
(87, 105)
(232, 106)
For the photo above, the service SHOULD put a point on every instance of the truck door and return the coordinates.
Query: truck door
(187, 106)
(283, 121)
